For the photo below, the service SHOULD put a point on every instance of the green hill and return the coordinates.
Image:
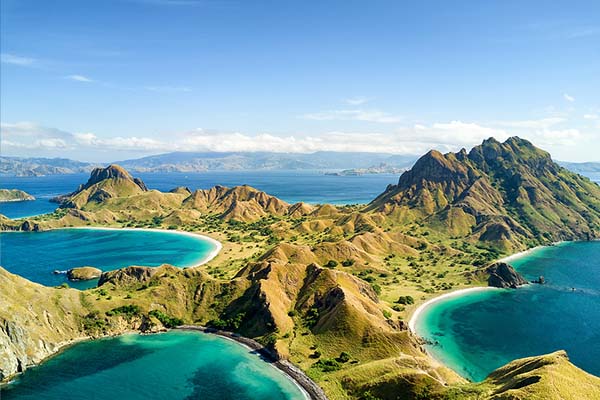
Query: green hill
(328, 287)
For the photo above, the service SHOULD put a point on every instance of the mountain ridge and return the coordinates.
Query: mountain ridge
(319, 285)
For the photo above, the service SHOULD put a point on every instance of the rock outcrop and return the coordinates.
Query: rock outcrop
(83, 273)
(503, 275)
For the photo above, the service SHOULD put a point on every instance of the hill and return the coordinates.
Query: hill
(14, 195)
(21, 166)
(208, 161)
(581, 168)
(328, 287)
(503, 194)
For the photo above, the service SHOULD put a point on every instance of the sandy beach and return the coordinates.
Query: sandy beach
(456, 293)
(218, 246)
(309, 388)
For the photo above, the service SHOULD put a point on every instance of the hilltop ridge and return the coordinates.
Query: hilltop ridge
(505, 194)
(330, 287)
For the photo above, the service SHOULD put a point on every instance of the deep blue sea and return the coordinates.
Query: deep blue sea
(36, 255)
(481, 331)
(171, 366)
(312, 187)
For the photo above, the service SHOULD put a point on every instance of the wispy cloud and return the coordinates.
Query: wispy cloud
(7, 58)
(357, 100)
(550, 133)
(591, 116)
(354, 115)
(568, 97)
(79, 78)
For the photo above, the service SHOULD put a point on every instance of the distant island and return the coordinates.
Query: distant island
(8, 195)
(382, 168)
(190, 162)
(329, 288)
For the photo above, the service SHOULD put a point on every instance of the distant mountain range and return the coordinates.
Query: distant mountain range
(209, 161)
(362, 162)
(20, 166)
(582, 168)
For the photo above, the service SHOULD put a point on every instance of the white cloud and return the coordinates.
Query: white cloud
(13, 59)
(591, 116)
(551, 134)
(354, 115)
(357, 100)
(568, 98)
(79, 78)
(532, 123)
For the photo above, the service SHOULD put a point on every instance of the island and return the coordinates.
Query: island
(9, 195)
(327, 289)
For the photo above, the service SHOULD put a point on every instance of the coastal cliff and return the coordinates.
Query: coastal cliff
(327, 287)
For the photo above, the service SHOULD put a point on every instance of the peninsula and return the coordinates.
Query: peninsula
(8, 195)
(327, 288)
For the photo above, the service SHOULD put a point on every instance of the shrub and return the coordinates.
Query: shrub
(376, 288)
(327, 365)
(312, 317)
(344, 357)
(405, 300)
(127, 311)
(331, 264)
(348, 263)
(316, 354)
(292, 313)
(166, 320)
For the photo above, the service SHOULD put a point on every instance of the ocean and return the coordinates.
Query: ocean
(171, 366)
(36, 255)
(312, 187)
(478, 332)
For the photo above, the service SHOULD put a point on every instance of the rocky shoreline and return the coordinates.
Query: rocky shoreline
(307, 385)
(311, 389)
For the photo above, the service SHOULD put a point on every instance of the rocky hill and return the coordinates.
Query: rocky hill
(103, 184)
(7, 195)
(503, 194)
(329, 287)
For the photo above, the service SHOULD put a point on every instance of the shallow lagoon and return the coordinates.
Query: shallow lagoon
(35, 255)
(481, 331)
(173, 365)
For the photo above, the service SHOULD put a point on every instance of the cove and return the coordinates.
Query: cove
(35, 255)
(172, 365)
(479, 331)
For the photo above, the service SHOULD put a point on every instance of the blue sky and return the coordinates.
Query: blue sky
(112, 79)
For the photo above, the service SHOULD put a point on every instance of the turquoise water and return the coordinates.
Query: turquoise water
(35, 255)
(481, 331)
(174, 365)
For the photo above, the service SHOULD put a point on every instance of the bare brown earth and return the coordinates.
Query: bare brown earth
(327, 288)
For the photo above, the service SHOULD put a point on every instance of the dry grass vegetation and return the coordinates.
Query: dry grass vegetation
(329, 287)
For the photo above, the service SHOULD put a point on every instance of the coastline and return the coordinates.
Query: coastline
(419, 310)
(217, 245)
(307, 386)
(415, 315)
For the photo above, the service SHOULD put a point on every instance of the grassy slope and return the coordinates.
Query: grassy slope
(269, 281)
